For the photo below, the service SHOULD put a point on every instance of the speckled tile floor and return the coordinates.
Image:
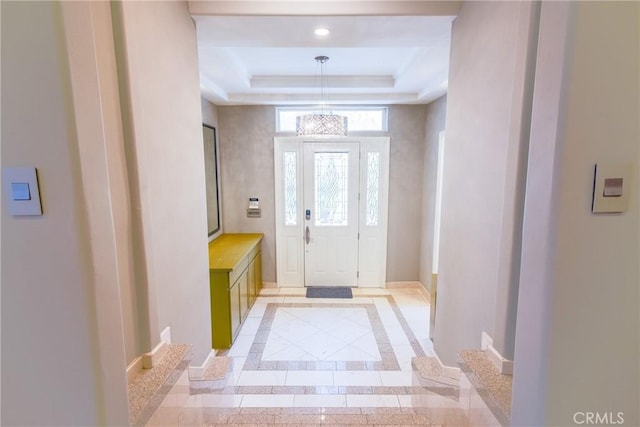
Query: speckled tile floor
(299, 361)
(493, 387)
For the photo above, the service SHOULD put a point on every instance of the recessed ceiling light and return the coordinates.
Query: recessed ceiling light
(322, 32)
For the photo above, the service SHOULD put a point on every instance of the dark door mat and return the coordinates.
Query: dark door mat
(329, 292)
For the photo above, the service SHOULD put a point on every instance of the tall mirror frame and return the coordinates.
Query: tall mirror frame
(212, 180)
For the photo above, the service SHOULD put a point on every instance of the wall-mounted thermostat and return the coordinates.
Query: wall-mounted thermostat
(254, 210)
(21, 191)
(611, 187)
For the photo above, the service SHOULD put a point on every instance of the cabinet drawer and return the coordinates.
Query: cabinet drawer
(254, 252)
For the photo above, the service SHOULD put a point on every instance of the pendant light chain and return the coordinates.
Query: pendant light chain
(323, 123)
(323, 82)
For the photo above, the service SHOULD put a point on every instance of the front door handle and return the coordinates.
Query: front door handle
(307, 235)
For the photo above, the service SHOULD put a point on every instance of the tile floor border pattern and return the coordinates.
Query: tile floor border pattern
(417, 348)
(323, 416)
(389, 361)
(219, 386)
(254, 359)
(244, 404)
(447, 391)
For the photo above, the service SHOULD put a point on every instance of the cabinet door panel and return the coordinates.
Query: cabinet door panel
(258, 271)
(234, 300)
(243, 282)
(252, 282)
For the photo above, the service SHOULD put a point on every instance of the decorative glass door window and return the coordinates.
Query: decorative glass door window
(373, 187)
(331, 189)
(290, 188)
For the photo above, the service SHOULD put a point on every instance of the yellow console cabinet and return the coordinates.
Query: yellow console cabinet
(235, 280)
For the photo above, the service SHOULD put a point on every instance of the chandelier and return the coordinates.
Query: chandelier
(321, 123)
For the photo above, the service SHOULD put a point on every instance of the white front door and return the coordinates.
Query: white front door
(331, 186)
(344, 184)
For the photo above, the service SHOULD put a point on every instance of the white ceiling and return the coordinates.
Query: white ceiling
(373, 59)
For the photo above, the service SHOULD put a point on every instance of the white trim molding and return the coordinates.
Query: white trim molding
(403, 285)
(197, 372)
(452, 372)
(425, 292)
(503, 365)
(323, 8)
(133, 369)
(410, 285)
(151, 359)
(485, 341)
(165, 335)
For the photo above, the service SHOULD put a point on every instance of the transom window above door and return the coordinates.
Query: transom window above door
(361, 119)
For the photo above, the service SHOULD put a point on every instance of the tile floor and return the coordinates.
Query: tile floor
(300, 361)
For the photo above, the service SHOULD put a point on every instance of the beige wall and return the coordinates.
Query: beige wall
(245, 138)
(94, 84)
(406, 162)
(246, 147)
(48, 320)
(436, 112)
(577, 346)
(480, 193)
(56, 334)
(163, 121)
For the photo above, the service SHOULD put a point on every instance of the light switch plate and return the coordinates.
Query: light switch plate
(611, 187)
(21, 192)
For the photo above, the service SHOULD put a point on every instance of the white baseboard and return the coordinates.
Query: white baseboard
(165, 335)
(485, 341)
(403, 285)
(504, 366)
(424, 291)
(369, 286)
(269, 285)
(134, 368)
(151, 359)
(197, 372)
(452, 372)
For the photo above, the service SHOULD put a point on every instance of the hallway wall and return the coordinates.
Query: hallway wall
(436, 114)
(163, 123)
(246, 149)
(48, 310)
(578, 331)
(481, 174)
(406, 163)
(245, 138)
